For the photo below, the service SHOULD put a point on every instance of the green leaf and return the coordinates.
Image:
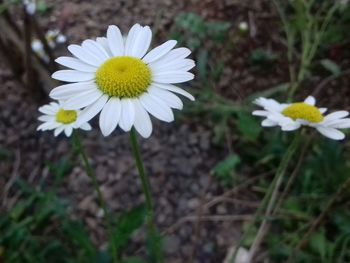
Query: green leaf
(261, 57)
(248, 126)
(318, 244)
(133, 260)
(126, 225)
(331, 66)
(155, 246)
(79, 237)
(218, 31)
(226, 169)
(202, 62)
(4, 154)
(42, 7)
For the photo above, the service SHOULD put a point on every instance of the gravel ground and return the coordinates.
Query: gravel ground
(178, 157)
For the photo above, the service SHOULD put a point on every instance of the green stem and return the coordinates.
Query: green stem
(144, 180)
(270, 196)
(91, 174)
(154, 241)
(320, 219)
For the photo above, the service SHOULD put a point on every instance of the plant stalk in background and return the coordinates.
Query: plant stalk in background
(80, 149)
(320, 219)
(310, 32)
(268, 201)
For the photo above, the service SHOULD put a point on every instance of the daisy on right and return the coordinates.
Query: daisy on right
(292, 116)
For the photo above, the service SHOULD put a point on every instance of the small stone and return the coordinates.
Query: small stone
(193, 203)
(171, 244)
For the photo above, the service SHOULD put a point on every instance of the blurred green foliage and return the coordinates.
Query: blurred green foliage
(263, 58)
(225, 171)
(38, 230)
(325, 166)
(126, 225)
(192, 31)
(324, 170)
(39, 227)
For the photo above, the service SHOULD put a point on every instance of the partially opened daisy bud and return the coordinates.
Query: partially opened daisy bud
(295, 115)
(56, 118)
(121, 80)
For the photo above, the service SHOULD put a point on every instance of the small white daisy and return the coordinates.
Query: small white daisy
(30, 6)
(243, 26)
(292, 116)
(117, 77)
(58, 119)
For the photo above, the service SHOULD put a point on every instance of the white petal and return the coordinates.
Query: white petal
(49, 126)
(336, 115)
(322, 110)
(159, 51)
(104, 43)
(68, 131)
(291, 126)
(176, 65)
(175, 54)
(96, 49)
(54, 106)
(169, 98)
(84, 55)
(67, 91)
(310, 100)
(115, 41)
(58, 130)
(127, 116)
(331, 133)
(142, 42)
(260, 113)
(82, 100)
(133, 33)
(175, 89)
(157, 108)
(269, 104)
(89, 112)
(47, 109)
(68, 75)
(280, 119)
(268, 123)
(85, 126)
(172, 77)
(143, 123)
(339, 123)
(46, 118)
(110, 116)
(76, 64)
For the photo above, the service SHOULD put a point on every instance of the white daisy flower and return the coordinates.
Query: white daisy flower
(243, 26)
(30, 6)
(58, 119)
(118, 78)
(295, 115)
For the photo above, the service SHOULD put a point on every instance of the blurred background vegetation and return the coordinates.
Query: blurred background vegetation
(281, 49)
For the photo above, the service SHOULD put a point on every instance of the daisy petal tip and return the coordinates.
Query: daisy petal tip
(146, 136)
(310, 100)
(105, 134)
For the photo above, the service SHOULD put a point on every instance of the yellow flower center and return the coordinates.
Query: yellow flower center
(66, 116)
(303, 111)
(123, 77)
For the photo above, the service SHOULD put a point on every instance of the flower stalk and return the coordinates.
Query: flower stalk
(80, 149)
(268, 201)
(144, 180)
